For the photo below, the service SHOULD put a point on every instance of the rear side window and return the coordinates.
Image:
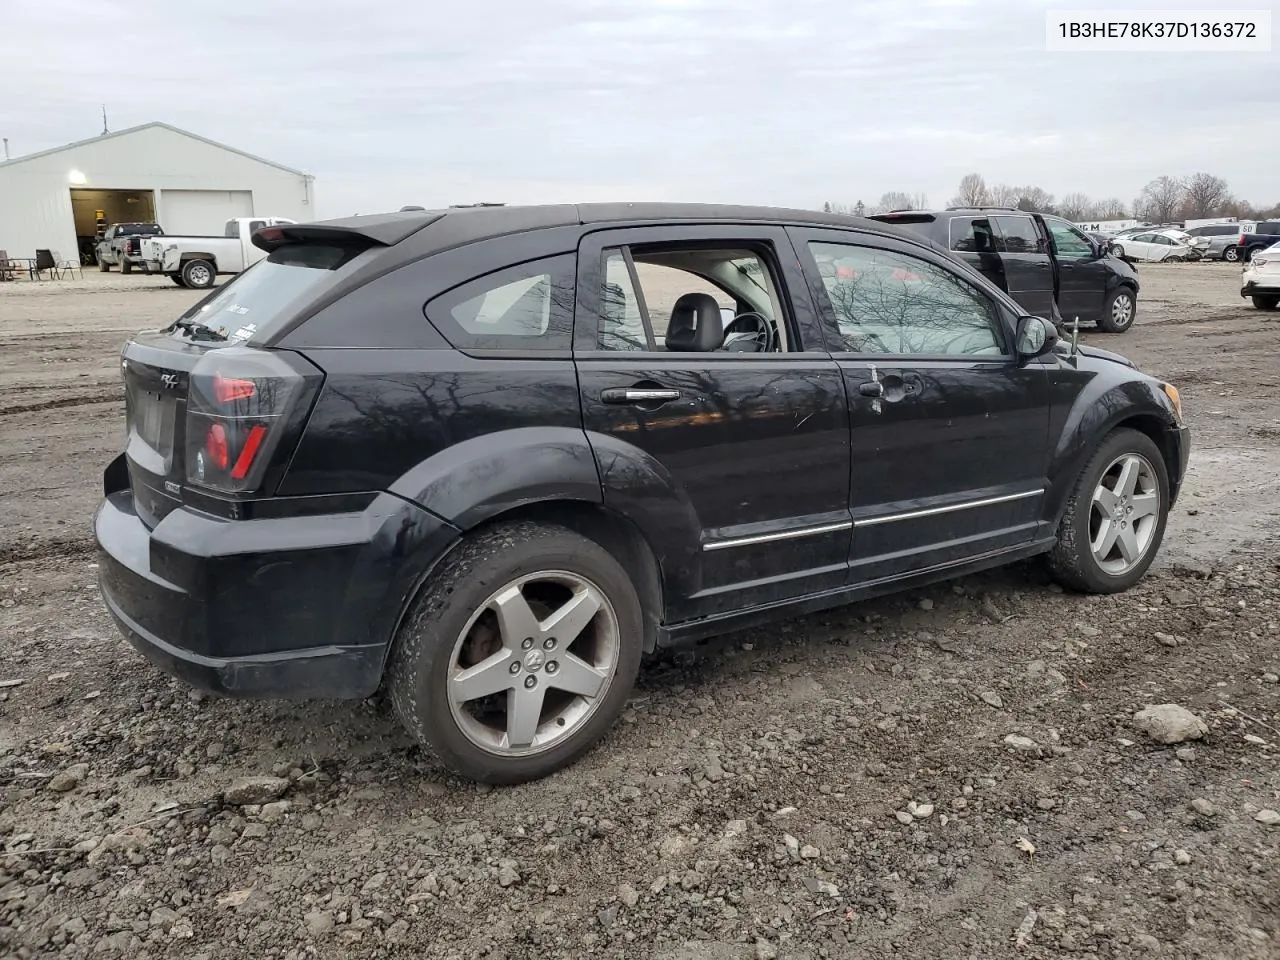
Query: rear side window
(529, 307)
(1269, 227)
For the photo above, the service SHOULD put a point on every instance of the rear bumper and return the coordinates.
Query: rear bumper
(1260, 288)
(297, 608)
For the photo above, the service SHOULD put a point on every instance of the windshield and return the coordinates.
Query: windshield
(256, 301)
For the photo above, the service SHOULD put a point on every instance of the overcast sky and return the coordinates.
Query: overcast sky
(787, 102)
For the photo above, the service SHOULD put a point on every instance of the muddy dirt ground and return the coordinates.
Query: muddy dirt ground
(950, 773)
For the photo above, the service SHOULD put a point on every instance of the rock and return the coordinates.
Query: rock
(1146, 941)
(318, 923)
(1268, 818)
(628, 895)
(508, 873)
(921, 811)
(691, 880)
(1271, 678)
(271, 812)
(792, 845)
(925, 604)
(1204, 807)
(765, 950)
(254, 831)
(1087, 631)
(15, 682)
(1046, 803)
(992, 699)
(397, 932)
(904, 817)
(1185, 754)
(1166, 640)
(249, 790)
(1181, 857)
(608, 915)
(809, 852)
(69, 779)
(815, 885)
(1169, 723)
(735, 828)
(1022, 744)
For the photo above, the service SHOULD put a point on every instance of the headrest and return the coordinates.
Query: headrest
(695, 324)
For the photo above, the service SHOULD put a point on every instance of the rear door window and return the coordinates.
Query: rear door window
(973, 235)
(1019, 235)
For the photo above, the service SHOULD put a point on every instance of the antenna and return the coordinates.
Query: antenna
(6, 149)
(1075, 336)
(104, 120)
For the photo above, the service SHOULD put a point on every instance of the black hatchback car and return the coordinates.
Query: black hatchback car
(486, 459)
(1049, 266)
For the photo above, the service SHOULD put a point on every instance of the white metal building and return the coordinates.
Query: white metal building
(55, 199)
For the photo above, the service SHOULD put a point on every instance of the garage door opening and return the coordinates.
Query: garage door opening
(95, 210)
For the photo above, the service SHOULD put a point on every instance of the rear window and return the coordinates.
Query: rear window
(139, 230)
(256, 302)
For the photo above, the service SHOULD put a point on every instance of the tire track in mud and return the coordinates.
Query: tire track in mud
(114, 396)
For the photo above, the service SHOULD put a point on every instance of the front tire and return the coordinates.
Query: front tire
(519, 652)
(197, 274)
(103, 266)
(1266, 302)
(1119, 312)
(1117, 250)
(1114, 522)
(177, 278)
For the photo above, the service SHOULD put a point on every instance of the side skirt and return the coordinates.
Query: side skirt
(678, 634)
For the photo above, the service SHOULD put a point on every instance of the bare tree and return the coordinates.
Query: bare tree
(859, 209)
(1160, 200)
(1002, 195)
(1112, 208)
(1205, 196)
(1076, 207)
(973, 192)
(897, 200)
(1035, 200)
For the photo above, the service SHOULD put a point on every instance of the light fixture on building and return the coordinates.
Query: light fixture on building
(76, 177)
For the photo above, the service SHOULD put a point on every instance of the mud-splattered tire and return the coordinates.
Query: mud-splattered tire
(453, 635)
(1119, 312)
(1266, 302)
(1073, 561)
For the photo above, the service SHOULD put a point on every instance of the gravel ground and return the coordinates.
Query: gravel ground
(957, 772)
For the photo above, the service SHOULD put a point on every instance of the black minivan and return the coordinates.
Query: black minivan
(1049, 266)
(486, 459)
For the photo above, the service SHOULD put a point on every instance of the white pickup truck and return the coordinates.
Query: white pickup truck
(195, 261)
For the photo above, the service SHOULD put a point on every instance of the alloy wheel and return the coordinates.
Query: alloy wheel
(533, 663)
(1122, 310)
(1124, 514)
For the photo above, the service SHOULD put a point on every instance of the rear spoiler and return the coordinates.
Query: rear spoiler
(904, 216)
(377, 230)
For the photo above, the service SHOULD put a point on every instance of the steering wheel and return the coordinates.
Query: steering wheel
(754, 336)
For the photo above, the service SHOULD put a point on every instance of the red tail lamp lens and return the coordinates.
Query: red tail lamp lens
(225, 389)
(249, 451)
(215, 444)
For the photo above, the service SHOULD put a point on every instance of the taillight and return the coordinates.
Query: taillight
(242, 404)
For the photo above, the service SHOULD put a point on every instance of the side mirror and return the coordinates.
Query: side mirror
(1036, 337)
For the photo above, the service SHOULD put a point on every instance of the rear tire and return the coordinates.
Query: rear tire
(1117, 250)
(197, 274)
(1119, 312)
(1231, 254)
(452, 629)
(126, 266)
(1251, 253)
(1266, 302)
(1074, 561)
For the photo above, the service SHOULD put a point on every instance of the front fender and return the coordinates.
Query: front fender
(1089, 404)
(474, 481)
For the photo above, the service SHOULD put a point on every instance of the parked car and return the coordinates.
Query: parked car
(121, 245)
(1260, 279)
(1155, 247)
(1223, 240)
(441, 453)
(1266, 234)
(1045, 263)
(196, 261)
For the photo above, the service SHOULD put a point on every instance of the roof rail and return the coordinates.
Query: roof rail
(991, 207)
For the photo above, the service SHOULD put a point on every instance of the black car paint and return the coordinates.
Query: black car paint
(409, 444)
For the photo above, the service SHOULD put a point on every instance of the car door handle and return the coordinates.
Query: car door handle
(638, 395)
(871, 388)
